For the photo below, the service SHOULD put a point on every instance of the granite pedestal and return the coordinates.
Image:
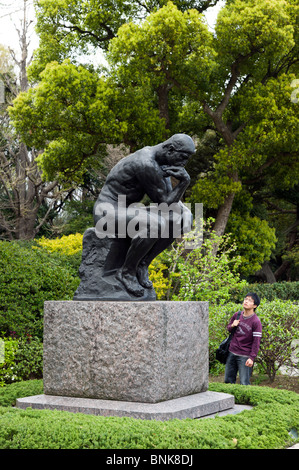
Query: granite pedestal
(140, 359)
(199, 405)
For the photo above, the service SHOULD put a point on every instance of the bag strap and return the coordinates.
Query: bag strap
(238, 316)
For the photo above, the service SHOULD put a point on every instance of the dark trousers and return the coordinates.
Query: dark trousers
(235, 364)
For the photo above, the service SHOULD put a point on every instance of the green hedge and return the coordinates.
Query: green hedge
(23, 360)
(278, 290)
(10, 393)
(28, 277)
(266, 426)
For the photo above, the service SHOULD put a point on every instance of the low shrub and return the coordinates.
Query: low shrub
(7, 364)
(280, 321)
(28, 388)
(29, 359)
(66, 251)
(28, 277)
(266, 426)
(254, 395)
(278, 290)
(22, 360)
(198, 274)
(65, 245)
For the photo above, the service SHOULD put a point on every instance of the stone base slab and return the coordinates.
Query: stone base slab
(193, 406)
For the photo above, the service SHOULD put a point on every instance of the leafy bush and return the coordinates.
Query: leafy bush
(28, 277)
(29, 359)
(23, 359)
(66, 245)
(255, 241)
(267, 426)
(158, 275)
(66, 251)
(254, 395)
(28, 388)
(280, 290)
(7, 373)
(280, 322)
(199, 274)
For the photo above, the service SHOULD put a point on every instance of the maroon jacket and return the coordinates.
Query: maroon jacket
(247, 336)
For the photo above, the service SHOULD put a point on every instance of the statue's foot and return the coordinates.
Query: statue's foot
(131, 283)
(142, 275)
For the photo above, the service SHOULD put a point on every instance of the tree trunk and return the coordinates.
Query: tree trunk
(26, 226)
(293, 235)
(223, 215)
(163, 104)
(266, 273)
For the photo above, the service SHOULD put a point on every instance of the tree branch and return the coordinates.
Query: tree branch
(110, 33)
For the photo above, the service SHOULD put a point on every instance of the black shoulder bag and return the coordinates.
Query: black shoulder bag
(222, 351)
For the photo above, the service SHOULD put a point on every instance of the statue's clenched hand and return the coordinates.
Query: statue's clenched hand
(177, 172)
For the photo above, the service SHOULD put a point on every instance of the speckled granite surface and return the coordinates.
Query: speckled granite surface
(144, 352)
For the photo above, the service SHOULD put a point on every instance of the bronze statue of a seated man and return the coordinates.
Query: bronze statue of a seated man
(145, 172)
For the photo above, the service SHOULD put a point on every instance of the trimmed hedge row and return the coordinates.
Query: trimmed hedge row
(28, 277)
(278, 290)
(266, 426)
(10, 393)
(23, 360)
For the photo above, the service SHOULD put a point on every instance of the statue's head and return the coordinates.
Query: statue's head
(178, 149)
(181, 143)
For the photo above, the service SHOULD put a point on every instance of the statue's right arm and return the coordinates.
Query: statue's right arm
(159, 188)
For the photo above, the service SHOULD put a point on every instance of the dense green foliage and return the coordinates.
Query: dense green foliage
(232, 90)
(277, 290)
(29, 277)
(254, 395)
(22, 359)
(28, 388)
(280, 320)
(200, 273)
(267, 426)
(8, 350)
(255, 241)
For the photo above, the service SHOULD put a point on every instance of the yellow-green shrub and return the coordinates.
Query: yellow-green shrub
(157, 270)
(66, 245)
